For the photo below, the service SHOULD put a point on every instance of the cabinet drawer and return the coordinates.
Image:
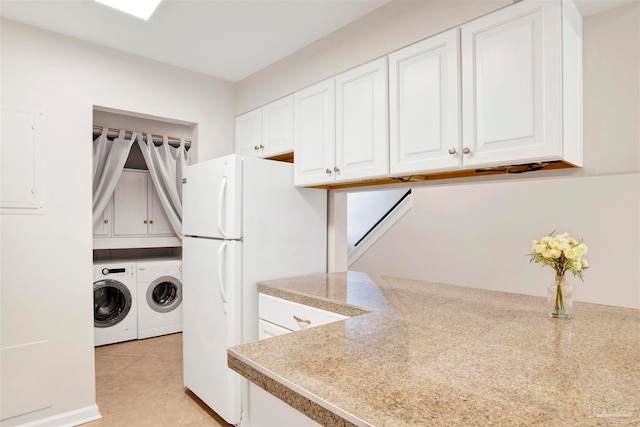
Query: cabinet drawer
(268, 330)
(293, 316)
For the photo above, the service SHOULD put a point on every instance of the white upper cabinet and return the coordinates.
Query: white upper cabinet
(277, 127)
(249, 133)
(315, 134)
(103, 226)
(341, 132)
(512, 85)
(136, 207)
(362, 142)
(266, 131)
(424, 106)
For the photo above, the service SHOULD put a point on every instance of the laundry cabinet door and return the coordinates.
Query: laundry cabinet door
(102, 227)
(159, 224)
(130, 204)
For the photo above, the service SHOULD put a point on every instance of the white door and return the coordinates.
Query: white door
(511, 85)
(211, 298)
(277, 127)
(159, 224)
(362, 144)
(249, 133)
(315, 134)
(211, 199)
(102, 227)
(424, 106)
(130, 204)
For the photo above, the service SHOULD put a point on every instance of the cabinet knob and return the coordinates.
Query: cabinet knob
(328, 171)
(261, 146)
(145, 221)
(151, 222)
(452, 150)
(256, 148)
(301, 320)
(466, 150)
(336, 169)
(106, 221)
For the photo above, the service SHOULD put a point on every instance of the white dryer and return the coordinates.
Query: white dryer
(115, 304)
(159, 297)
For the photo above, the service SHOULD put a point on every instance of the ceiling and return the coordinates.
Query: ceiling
(230, 39)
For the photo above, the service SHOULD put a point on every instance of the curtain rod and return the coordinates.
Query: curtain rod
(173, 140)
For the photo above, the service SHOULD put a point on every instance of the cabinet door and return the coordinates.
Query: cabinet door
(102, 228)
(315, 134)
(424, 106)
(130, 204)
(511, 85)
(362, 145)
(277, 127)
(249, 133)
(159, 224)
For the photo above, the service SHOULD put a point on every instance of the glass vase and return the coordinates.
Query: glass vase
(560, 299)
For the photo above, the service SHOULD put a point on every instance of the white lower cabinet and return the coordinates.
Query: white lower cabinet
(278, 316)
(266, 410)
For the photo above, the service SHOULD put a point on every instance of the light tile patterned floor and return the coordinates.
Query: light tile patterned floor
(139, 384)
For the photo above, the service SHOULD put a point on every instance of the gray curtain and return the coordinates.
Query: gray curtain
(166, 166)
(109, 158)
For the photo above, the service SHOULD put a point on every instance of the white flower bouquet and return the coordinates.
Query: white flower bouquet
(562, 253)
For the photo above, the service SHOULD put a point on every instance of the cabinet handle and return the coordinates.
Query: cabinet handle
(106, 221)
(466, 150)
(256, 148)
(452, 150)
(336, 169)
(328, 171)
(298, 319)
(146, 222)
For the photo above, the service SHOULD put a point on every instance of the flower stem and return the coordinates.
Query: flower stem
(559, 300)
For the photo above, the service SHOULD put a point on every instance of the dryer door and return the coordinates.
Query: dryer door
(111, 303)
(164, 294)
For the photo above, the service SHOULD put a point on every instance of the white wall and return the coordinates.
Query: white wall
(46, 276)
(391, 27)
(476, 233)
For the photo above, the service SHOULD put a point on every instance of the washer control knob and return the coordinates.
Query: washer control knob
(105, 271)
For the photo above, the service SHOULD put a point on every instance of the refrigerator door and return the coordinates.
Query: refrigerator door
(211, 197)
(211, 322)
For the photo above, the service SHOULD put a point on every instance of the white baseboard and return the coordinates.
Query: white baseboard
(68, 419)
(386, 224)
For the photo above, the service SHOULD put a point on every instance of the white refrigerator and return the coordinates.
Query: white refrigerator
(243, 222)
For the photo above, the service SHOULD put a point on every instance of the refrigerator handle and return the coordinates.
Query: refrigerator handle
(223, 294)
(223, 186)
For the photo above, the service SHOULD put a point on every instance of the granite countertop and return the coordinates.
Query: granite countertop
(420, 353)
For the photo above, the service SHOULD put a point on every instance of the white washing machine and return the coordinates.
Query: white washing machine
(159, 297)
(115, 304)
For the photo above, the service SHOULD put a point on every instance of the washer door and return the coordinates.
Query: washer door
(111, 303)
(164, 294)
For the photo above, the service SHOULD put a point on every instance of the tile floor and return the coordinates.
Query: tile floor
(139, 384)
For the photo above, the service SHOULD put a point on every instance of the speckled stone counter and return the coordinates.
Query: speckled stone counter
(426, 354)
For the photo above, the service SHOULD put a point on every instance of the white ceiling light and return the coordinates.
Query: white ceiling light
(140, 8)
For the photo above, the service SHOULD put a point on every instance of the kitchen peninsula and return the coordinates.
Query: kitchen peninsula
(441, 355)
